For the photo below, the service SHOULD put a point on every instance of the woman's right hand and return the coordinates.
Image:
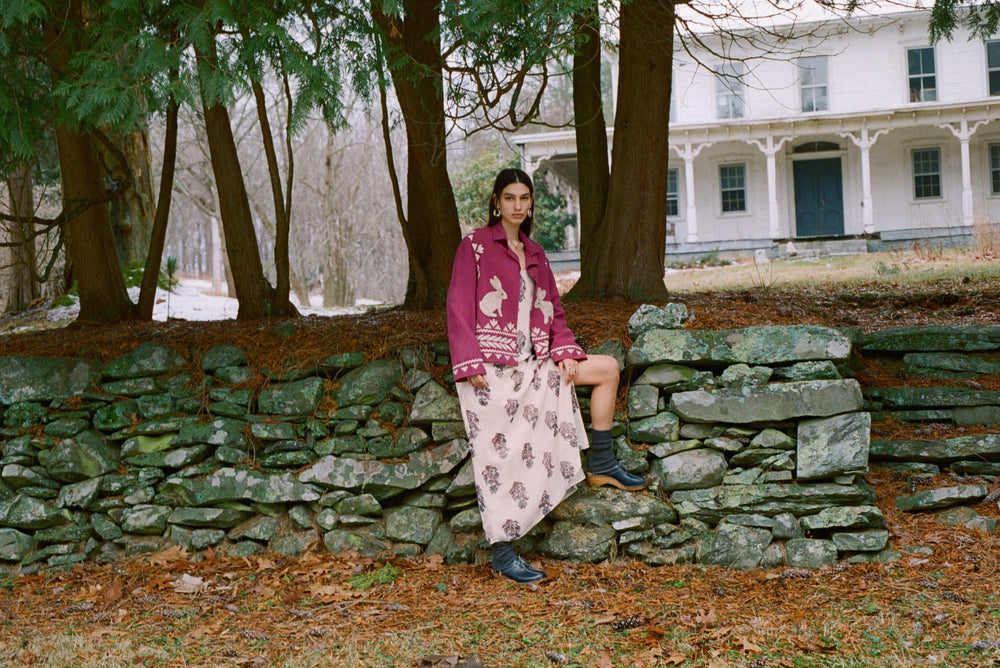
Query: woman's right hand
(478, 381)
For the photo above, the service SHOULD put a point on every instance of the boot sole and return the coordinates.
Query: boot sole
(601, 480)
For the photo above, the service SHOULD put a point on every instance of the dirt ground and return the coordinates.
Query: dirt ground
(175, 609)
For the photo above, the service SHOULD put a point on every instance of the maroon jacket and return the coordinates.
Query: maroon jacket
(482, 305)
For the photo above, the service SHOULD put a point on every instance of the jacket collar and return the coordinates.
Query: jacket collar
(531, 248)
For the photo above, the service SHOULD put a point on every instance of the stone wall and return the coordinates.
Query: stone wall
(752, 440)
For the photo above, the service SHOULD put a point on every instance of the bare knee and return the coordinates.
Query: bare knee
(605, 369)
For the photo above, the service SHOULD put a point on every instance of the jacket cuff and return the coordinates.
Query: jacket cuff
(567, 352)
(468, 368)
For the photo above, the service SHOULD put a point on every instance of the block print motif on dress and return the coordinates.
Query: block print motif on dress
(512, 529)
(491, 476)
(568, 432)
(471, 425)
(536, 379)
(547, 463)
(511, 408)
(545, 504)
(500, 445)
(531, 414)
(519, 493)
(518, 377)
(528, 456)
(552, 422)
(554, 382)
(483, 395)
(568, 471)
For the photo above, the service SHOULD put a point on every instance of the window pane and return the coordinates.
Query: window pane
(995, 168)
(993, 54)
(732, 185)
(995, 82)
(927, 173)
(673, 205)
(913, 61)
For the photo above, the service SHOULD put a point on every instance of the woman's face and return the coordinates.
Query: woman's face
(514, 204)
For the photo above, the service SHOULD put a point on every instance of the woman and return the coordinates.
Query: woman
(515, 363)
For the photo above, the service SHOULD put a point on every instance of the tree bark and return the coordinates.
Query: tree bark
(131, 214)
(20, 286)
(591, 153)
(634, 225)
(430, 227)
(255, 294)
(90, 243)
(158, 235)
(337, 289)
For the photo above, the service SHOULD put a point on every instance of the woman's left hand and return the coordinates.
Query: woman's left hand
(569, 368)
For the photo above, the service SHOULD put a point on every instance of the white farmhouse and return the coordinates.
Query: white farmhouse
(863, 135)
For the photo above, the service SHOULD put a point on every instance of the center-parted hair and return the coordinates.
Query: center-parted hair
(505, 178)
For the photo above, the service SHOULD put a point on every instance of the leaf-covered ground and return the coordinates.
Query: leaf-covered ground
(938, 605)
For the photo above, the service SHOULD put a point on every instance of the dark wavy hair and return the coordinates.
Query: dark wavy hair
(504, 179)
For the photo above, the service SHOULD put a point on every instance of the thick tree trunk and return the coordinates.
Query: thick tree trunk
(636, 212)
(431, 227)
(90, 243)
(255, 295)
(91, 254)
(19, 285)
(131, 214)
(591, 154)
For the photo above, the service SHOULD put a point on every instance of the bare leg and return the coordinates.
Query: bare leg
(602, 372)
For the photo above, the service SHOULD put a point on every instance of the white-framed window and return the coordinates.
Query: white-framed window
(729, 97)
(813, 83)
(995, 169)
(673, 194)
(733, 187)
(993, 66)
(922, 74)
(926, 173)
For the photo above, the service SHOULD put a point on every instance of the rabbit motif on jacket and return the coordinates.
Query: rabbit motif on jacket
(544, 306)
(492, 301)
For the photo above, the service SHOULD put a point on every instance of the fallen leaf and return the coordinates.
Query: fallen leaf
(168, 556)
(675, 658)
(114, 592)
(603, 660)
(190, 584)
(747, 646)
(708, 617)
(434, 562)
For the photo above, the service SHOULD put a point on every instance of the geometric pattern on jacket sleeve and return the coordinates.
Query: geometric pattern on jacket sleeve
(497, 341)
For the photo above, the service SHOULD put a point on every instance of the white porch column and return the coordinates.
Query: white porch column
(963, 133)
(769, 149)
(865, 143)
(688, 154)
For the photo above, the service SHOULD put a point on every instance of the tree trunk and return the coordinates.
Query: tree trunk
(591, 153)
(636, 213)
(255, 294)
(90, 243)
(282, 204)
(131, 214)
(20, 286)
(337, 289)
(151, 272)
(430, 227)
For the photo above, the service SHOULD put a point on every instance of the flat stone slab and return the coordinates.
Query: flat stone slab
(45, 379)
(712, 504)
(774, 402)
(942, 498)
(932, 397)
(961, 338)
(355, 474)
(975, 447)
(750, 345)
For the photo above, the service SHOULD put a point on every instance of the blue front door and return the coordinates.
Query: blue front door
(819, 198)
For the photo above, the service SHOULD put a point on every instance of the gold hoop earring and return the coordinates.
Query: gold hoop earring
(530, 211)
(496, 213)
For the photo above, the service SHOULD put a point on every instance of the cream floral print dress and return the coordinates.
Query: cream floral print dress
(526, 433)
